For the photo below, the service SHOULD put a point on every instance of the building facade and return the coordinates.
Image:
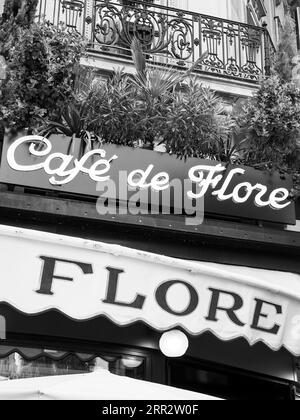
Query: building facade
(81, 289)
(235, 50)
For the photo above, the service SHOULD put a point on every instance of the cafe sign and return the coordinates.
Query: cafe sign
(85, 279)
(235, 191)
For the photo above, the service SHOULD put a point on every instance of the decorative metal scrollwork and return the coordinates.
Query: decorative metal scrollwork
(170, 35)
(212, 36)
(73, 11)
(181, 39)
(231, 33)
(117, 26)
(251, 43)
(107, 29)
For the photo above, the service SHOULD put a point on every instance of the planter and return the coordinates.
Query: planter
(147, 146)
(75, 146)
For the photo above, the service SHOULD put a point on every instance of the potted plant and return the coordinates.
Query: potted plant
(71, 123)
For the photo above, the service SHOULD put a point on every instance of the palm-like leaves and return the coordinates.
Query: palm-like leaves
(157, 104)
(195, 124)
(84, 82)
(155, 87)
(156, 83)
(71, 120)
(138, 56)
(153, 81)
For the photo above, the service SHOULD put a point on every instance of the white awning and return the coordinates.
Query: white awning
(84, 279)
(100, 385)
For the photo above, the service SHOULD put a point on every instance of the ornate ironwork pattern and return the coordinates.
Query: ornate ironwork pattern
(171, 36)
(73, 11)
(70, 13)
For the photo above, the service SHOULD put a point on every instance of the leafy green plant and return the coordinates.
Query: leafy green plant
(98, 111)
(72, 116)
(273, 121)
(112, 112)
(196, 125)
(156, 105)
(283, 59)
(126, 110)
(70, 121)
(16, 14)
(270, 121)
(155, 87)
(22, 12)
(41, 63)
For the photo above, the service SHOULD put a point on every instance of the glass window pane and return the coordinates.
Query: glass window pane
(31, 363)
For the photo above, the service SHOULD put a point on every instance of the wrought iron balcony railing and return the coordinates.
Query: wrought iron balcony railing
(168, 35)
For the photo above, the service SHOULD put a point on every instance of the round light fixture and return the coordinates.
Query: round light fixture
(174, 343)
(132, 362)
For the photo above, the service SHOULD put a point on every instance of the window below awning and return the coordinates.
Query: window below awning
(25, 363)
(21, 362)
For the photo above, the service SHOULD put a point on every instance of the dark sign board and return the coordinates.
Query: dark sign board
(118, 172)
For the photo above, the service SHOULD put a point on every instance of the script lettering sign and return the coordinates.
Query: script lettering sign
(234, 191)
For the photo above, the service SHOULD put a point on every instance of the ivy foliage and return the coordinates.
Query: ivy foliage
(271, 119)
(22, 12)
(41, 60)
(16, 14)
(195, 123)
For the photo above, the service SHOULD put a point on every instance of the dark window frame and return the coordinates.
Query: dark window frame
(212, 367)
(81, 346)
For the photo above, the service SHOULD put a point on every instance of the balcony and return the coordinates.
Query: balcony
(169, 36)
